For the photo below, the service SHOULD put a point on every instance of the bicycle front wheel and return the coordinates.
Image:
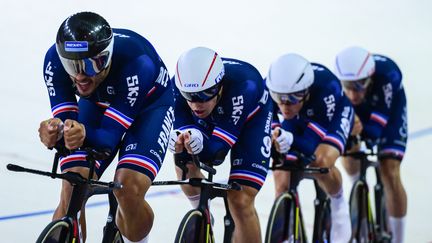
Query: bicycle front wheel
(283, 222)
(56, 232)
(361, 214)
(194, 229)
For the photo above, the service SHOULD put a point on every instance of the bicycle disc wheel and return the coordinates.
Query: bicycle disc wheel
(280, 226)
(55, 232)
(362, 230)
(322, 225)
(193, 229)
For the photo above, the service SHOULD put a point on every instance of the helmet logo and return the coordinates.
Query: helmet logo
(220, 76)
(190, 85)
(76, 46)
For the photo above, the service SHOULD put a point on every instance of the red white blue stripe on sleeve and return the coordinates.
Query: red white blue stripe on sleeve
(118, 117)
(248, 176)
(335, 140)
(291, 157)
(139, 161)
(275, 124)
(380, 118)
(77, 156)
(225, 136)
(317, 129)
(184, 128)
(152, 90)
(253, 113)
(64, 107)
(103, 104)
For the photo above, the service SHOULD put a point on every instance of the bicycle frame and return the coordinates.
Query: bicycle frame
(83, 188)
(298, 170)
(378, 225)
(209, 191)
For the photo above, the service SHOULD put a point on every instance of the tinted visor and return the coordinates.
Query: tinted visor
(291, 98)
(358, 85)
(201, 96)
(91, 66)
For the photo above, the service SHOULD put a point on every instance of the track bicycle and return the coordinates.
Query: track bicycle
(286, 222)
(196, 225)
(67, 229)
(366, 228)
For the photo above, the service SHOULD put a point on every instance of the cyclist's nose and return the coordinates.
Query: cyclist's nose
(80, 77)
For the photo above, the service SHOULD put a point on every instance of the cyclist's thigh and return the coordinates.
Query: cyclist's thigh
(145, 143)
(251, 154)
(395, 135)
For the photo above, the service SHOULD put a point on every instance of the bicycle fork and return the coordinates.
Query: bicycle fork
(78, 195)
(381, 227)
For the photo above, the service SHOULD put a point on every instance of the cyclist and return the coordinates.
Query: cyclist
(125, 104)
(317, 119)
(373, 83)
(221, 104)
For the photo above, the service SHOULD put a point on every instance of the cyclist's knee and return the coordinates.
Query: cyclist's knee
(390, 170)
(282, 181)
(324, 161)
(242, 202)
(135, 185)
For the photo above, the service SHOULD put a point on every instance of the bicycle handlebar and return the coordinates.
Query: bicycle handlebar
(299, 164)
(199, 164)
(199, 182)
(97, 154)
(290, 166)
(72, 177)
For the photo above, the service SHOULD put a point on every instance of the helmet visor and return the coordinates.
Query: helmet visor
(201, 96)
(90, 66)
(289, 99)
(357, 85)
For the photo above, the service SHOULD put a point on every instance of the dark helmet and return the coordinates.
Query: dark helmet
(85, 43)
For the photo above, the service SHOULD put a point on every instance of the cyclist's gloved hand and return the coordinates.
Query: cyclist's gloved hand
(74, 134)
(283, 140)
(194, 141)
(50, 131)
(173, 143)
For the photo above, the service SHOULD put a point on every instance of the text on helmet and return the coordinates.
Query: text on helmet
(76, 46)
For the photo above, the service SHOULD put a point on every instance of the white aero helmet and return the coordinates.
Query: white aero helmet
(354, 63)
(289, 78)
(198, 74)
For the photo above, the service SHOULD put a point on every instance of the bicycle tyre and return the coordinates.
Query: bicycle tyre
(193, 229)
(59, 231)
(322, 223)
(281, 225)
(362, 228)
